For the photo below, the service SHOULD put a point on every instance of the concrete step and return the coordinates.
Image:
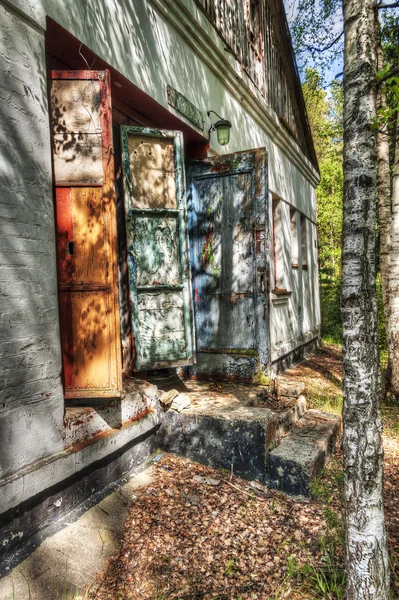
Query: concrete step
(84, 423)
(303, 452)
(287, 418)
(225, 430)
(232, 437)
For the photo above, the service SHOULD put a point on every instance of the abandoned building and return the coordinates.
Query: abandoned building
(157, 212)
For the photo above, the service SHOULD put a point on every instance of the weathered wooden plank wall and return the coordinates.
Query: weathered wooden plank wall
(270, 65)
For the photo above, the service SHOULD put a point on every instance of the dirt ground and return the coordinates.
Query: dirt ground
(198, 533)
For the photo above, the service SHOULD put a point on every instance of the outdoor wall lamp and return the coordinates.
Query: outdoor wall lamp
(222, 128)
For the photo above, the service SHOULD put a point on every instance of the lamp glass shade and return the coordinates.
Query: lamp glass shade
(223, 131)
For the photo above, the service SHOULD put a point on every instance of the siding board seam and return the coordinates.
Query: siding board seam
(18, 12)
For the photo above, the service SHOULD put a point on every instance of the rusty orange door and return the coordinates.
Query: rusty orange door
(86, 233)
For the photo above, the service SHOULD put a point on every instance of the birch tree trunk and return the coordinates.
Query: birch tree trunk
(366, 549)
(393, 330)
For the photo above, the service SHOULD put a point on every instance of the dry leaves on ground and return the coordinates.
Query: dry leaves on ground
(185, 538)
(188, 536)
(391, 490)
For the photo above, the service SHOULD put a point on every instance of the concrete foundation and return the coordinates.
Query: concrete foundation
(258, 432)
(237, 439)
(294, 356)
(45, 492)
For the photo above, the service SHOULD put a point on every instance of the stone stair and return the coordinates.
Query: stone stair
(302, 454)
(255, 432)
(231, 436)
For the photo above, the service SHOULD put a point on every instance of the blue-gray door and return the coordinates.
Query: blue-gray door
(157, 247)
(229, 239)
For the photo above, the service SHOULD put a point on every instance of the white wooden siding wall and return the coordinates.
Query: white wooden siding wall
(294, 317)
(311, 309)
(278, 243)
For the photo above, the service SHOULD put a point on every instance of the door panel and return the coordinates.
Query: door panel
(76, 105)
(152, 170)
(90, 235)
(161, 326)
(86, 233)
(229, 236)
(157, 250)
(157, 247)
(88, 338)
(227, 263)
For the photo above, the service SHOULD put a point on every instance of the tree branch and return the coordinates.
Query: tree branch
(388, 75)
(392, 5)
(322, 48)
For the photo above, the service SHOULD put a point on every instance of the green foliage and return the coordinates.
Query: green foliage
(331, 325)
(325, 117)
(388, 76)
(326, 582)
(230, 568)
(328, 488)
(316, 29)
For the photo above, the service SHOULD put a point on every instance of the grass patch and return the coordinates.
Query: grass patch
(325, 579)
(325, 402)
(320, 581)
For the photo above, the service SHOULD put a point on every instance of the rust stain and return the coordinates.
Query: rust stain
(207, 249)
(104, 434)
(197, 296)
(139, 416)
(232, 297)
(221, 167)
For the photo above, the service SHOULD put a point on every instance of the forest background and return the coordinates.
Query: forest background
(320, 67)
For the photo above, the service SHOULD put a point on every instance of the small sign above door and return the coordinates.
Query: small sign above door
(185, 107)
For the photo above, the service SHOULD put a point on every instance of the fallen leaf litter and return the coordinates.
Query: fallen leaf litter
(198, 533)
(234, 540)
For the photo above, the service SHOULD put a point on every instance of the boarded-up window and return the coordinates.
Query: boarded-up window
(254, 26)
(294, 238)
(304, 242)
(278, 240)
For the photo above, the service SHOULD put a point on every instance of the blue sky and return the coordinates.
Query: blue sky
(334, 65)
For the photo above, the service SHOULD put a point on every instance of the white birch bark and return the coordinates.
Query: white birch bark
(366, 549)
(393, 330)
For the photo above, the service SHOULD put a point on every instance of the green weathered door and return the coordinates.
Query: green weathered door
(157, 247)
